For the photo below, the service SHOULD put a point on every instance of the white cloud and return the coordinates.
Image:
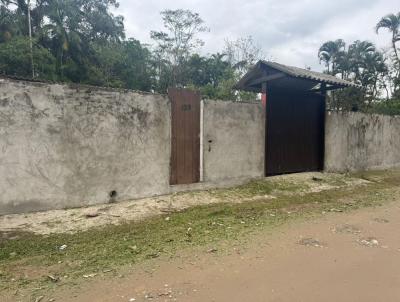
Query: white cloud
(290, 31)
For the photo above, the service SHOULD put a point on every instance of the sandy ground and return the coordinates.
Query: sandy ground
(338, 257)
(73, 220)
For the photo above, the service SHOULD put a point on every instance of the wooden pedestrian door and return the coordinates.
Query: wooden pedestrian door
(185, 145)
(295, 132)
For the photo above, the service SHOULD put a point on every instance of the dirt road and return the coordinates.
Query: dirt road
(340, 257)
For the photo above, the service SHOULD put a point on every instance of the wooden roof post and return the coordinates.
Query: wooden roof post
(264, 94)
(264, 105)
(323, 92)
(323, 89)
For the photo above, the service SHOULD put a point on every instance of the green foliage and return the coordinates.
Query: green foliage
(392, 23)
(82, 41)
(63, 31)
(15, 61)
(124, 64)
(177, 43)
(391, 107)
(213, 76)
(221, 92)
(8, 24)
(362, 63)
(331, 52)
(243, 53)
(349, 99)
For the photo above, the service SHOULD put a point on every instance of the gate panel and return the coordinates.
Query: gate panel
(185, 145)
(295, 133)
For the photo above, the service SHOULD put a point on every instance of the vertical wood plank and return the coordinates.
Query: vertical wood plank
(295, 132)
(185, 145)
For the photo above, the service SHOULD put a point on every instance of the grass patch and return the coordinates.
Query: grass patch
(259, 188)
(109, 247)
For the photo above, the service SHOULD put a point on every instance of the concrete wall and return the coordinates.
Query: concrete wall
(67, 146)
(357, 141)
(70, 146)
(233, 145)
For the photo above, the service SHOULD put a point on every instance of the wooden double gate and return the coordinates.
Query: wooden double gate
(295, 127)
(295, 132)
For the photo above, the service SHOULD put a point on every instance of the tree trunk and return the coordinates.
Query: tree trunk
(395, 49)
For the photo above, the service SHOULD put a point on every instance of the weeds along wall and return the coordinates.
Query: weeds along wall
(64, 146)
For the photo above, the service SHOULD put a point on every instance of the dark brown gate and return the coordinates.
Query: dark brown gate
(295, 130)
(185, 152)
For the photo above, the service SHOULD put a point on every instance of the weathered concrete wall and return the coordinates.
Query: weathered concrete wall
(71, 146)
(234, 138)
(66, 146)
(357, 141)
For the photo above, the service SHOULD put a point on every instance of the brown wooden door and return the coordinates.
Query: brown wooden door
(185, 152)
(295, 132)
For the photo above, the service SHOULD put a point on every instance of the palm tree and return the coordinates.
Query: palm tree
(62, 32)
(358, 53)
(374, 68)
(57, 30)
(217, 67)
(360, 49)
(330, 52)
(344, 65)
(392, 23)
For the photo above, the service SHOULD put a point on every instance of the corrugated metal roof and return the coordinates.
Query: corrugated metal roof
(291, 77)
(308, 74)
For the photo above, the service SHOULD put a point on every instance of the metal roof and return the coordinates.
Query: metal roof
(284, 76)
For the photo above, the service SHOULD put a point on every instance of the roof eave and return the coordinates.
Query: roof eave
(244, 83)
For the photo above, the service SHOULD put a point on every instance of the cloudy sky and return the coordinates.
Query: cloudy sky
(289, 31)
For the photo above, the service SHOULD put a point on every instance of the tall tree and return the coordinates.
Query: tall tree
(9, 26)
(178, 42)
(362, 63)
(15, 59)
(71, 26)
(126, 65)
(391, 22)
(358, 52)
(243, 53)
(331, 52)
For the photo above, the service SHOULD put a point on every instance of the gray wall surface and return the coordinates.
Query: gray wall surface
(357, 141)
(68, 146)
(64, 146)
(236, 132)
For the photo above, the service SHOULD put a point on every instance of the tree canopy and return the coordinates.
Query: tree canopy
(377, 71)
(83, 41)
